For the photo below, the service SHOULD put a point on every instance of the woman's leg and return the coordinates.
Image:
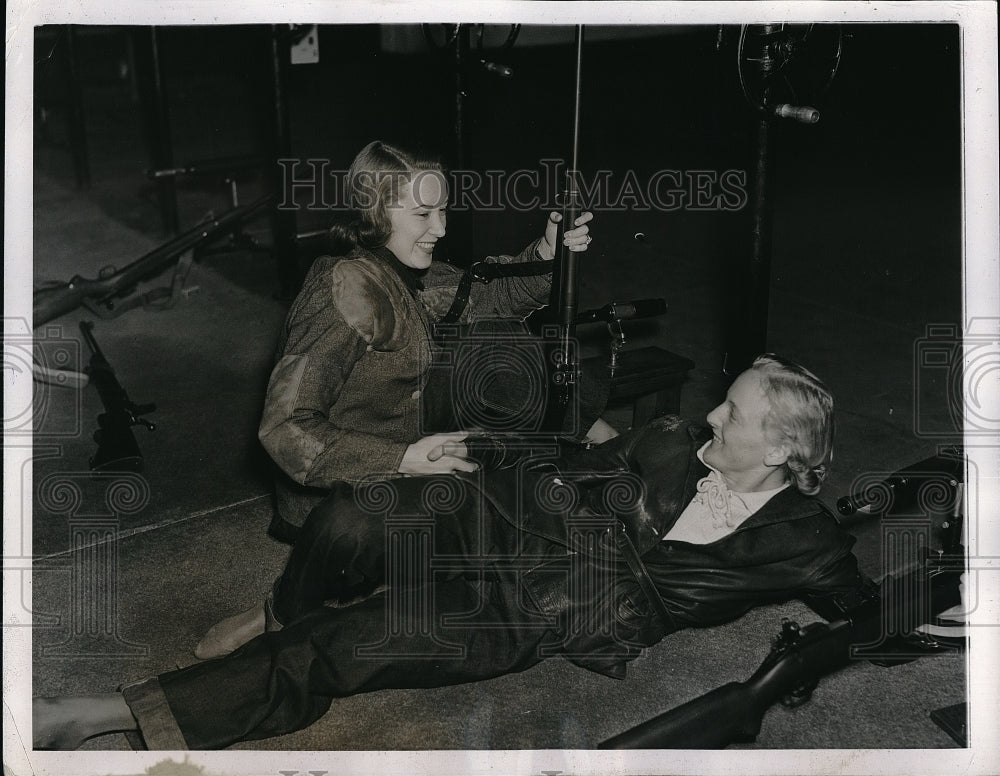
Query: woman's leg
(341, 553)
(285, 680)
(65, 723)
(337, 556)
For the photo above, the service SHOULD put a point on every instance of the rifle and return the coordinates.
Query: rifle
(799, 657)
(613, 312)
(61, 298)
(566, 281)
(903, 489)
(116, 446)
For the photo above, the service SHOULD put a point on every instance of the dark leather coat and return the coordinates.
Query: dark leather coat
(792, 547)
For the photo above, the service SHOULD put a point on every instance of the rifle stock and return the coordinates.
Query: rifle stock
(733, 712)
(879, 628)
(727, 713)
(54, 301)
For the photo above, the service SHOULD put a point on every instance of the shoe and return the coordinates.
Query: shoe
(231, 633)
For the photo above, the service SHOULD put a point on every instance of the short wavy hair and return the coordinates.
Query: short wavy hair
(800, 418)
(375, 181)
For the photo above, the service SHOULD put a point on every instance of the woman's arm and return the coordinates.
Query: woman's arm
(513, 297)
(518, 297)
(296, 429)
(338, 318)
(331, 326)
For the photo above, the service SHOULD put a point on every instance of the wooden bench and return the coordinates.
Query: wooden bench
(650, 378)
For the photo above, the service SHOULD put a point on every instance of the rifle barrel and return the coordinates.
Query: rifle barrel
(566, 281)
(624, 311)
(50, 303)
(160, 257)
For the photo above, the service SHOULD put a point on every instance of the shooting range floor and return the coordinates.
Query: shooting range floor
(882, 236)
(198, 550)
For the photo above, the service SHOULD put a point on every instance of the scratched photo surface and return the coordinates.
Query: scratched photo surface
(193, 372)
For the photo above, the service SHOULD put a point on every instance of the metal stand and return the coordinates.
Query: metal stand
(781, 67)
(156, 120)
(283, 227)
(750, 339)
(77, 122)
(227, 169)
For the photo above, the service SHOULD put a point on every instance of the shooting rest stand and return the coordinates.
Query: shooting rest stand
(650, 378)
(227, 170)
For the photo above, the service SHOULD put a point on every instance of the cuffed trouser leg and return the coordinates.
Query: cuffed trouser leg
(156, 720)
(285, 680)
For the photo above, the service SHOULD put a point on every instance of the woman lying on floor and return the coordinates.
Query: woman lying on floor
(665, 527)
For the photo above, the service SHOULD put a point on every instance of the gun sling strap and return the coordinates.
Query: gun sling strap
(635, 564)
(484, 272)
(162, 298)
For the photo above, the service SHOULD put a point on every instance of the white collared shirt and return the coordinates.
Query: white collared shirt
(715, 511)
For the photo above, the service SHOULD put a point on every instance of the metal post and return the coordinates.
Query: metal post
(749, 334)
(461, 50)
(156, 118)
(282, 221)
(77, 122)
(461, 238)
(760, 261)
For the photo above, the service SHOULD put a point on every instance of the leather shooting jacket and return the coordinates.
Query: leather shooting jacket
(792, 547)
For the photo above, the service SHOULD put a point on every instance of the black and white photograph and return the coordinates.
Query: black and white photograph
(525, 387)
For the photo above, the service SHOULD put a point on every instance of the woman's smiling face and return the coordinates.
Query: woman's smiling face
(418, 219)
(740, 448)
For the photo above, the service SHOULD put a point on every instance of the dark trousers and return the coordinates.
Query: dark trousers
(395, 532)
(285, 680)
(450, 570)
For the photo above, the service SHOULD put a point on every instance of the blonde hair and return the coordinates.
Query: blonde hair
(375, 182)
(800, 418)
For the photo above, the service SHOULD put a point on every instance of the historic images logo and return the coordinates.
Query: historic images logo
(310, 184)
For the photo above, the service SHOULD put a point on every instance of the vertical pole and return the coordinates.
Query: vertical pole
(461, 50)
(156, 120)
(570, 287)
(748, 337)
(282, 221)
(460, 241)
(760, 262)
(77, 122)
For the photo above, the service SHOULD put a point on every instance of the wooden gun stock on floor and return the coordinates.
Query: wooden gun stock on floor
(59, 299)
(800, 657)
(733, 712)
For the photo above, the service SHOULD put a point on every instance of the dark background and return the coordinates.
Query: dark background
(886, 151)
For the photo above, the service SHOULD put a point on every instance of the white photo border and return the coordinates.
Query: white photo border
(978, 22)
